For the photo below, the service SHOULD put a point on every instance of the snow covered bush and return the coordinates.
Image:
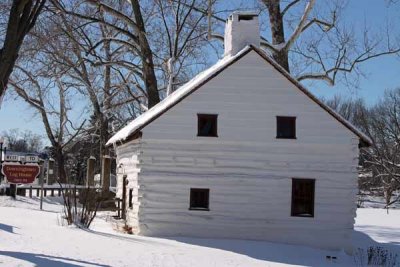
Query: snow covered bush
(376, 256)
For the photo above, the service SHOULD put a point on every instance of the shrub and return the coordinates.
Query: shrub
(83, 213)
(375, 256)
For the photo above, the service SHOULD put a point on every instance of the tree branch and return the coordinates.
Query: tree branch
(296, 33)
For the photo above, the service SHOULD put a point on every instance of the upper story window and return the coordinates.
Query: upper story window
(286, 127)
(199, 198)
(207, 125)
(303, 191)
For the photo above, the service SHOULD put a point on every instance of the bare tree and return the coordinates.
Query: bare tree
(23, 141)
(42, 83)
(160, 38)
(90, 69)
(382, 124)
(132, 28)
(118, 63)
(350, 109)
(21, 19)
(310, 38)
(179, 39)
(380, 163)
(62, 134)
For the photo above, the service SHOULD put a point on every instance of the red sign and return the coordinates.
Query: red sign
(20, 174)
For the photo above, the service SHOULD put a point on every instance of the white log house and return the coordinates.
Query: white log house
(241, 151)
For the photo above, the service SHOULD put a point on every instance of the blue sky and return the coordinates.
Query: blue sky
(381, 73)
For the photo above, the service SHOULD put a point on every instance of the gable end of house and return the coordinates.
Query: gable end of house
(364, 140)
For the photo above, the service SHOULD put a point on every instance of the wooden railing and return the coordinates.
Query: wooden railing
(56, 190)
(48, 190)
(21, 190)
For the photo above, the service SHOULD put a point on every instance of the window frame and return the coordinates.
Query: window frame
(130, 198)
(191, 200)
(207, 116)
(292, 119)
(292, 213)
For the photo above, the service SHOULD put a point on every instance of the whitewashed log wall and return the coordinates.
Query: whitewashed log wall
(247, 169)
(127, 155)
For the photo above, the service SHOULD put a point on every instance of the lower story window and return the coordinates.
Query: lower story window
(303, 191)
(199, 198)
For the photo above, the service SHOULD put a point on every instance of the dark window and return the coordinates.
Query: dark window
(286, 127)
(246, 17)
(199, 198)
(303, 197)
(207, 125)
(130, 198)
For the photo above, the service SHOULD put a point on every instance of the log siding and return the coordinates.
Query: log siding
(247, 169)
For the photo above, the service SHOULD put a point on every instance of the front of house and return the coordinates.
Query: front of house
(241, 151)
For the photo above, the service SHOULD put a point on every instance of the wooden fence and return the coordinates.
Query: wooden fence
(56, 190)
(48, 190)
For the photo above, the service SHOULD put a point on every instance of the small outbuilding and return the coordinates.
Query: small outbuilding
(242, 151)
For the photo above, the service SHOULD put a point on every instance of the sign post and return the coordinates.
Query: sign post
(17, 173)
(41, 180)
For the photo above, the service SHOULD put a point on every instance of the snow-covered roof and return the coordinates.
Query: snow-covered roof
(200, 79)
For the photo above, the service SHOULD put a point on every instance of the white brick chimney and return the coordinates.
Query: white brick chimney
(242, 28)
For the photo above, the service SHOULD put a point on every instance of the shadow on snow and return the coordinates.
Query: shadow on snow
(7, 228)
(48, 260)
(285, 253)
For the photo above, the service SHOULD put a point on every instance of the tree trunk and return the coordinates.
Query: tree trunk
(23, 15)
(147, 58)
(104, 136)
(388, 195)
(104, 120)
(277, 32)
(60, 159)
(6, 66)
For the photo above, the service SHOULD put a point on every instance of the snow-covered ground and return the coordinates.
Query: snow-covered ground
(30, 237)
